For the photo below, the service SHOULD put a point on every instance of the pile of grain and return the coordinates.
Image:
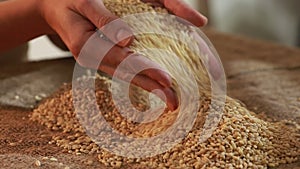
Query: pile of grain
(240, 141)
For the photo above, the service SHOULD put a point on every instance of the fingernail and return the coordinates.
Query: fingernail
(124, 37)
(201, 20)
(205, 20)
(173, 102)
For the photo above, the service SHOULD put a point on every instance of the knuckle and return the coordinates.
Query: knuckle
(75, 47)
(84, 3)
(104, 19)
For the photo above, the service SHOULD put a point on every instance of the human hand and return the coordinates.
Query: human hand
(187, 13)
(76, 21)
(182, 10)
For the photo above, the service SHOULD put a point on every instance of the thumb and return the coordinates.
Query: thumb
(113, 28)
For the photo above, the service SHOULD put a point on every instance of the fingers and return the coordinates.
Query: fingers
(166, 94)
(159, 75)
(115, 29)
(142, 65)
(149, 75)
(75, 37)
(94, 51)
(137, 64)
(57, 41)
(183, 10)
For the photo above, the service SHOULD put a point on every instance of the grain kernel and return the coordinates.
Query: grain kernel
(37, 163)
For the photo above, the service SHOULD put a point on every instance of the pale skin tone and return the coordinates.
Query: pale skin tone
(23, 20)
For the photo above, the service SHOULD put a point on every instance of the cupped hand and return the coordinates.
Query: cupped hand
(76, 21)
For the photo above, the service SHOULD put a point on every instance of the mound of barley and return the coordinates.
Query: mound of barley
(241, 140)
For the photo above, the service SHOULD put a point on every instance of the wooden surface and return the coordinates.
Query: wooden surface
(264, 76)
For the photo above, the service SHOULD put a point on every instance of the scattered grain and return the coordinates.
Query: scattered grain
(53, 159)
(37, 163)
(13, 144)
(38, 98)
(45, 158)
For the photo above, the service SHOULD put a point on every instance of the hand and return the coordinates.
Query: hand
(181, 9)
(184, 11)
(76, 21)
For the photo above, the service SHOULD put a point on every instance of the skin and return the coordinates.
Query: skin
(23, 20)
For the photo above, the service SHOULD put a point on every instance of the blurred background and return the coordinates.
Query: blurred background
(277, 21)
(272, 20)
